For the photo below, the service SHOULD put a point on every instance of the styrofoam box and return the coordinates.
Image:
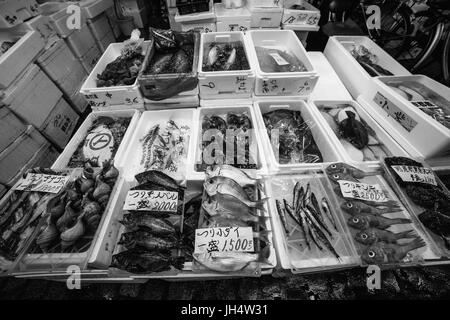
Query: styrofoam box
(99, 26)
(63, 160)
(281, 83)
(199, 26)
(383, 137)
(140, 17)
(423, 134)
(60, 124)
(80, 41)
(57, 12)
(309, 16)
(32, 96)
(224, 84)
(322, 138)
(89, 61)
(93, 8)
(17, 154)
(14, 12)
(111, 18)
(263, 3)
(79, 102)
(106, 41)
(266, 17)
(186, 99)
(130, 161)
(302, 31)
(107, 96)
(17, 58)
(355, 78)
(195, 17)
(11, 127)
(232, 19)
(42, 24)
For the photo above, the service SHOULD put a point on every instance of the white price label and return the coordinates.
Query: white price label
(279, 59)
(362, 191)
(41, 183)
(98, 145)
(415, 174)
(229, 239)
(151, 200)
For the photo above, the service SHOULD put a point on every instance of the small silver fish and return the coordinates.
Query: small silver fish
(230, 207)
(231, 172)
(215, 188)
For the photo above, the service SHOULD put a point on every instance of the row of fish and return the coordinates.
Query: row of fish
(369, 61)
(225, 57)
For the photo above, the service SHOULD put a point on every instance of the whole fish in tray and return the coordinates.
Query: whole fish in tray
(233, 173)
(365, 221)
(142, 261)
(149, 241)
(135, 220)
(390, 253)
(373, 235)
(359, 207)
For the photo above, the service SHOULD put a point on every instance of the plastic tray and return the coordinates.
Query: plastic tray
(309, 16)
(281, 83)
(330, 152)
(107, 96)
(223, 84)
(238, 19)
(187, 99)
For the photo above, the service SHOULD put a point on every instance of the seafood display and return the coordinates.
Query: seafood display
(423, 98)
(101, 142)
(73, 216)
(276, 60)
(369, 61)
(224, 132)
(225, 57)
(295, 142)
(358, 139)
(382, 228)
(165, 148)
(432, 201)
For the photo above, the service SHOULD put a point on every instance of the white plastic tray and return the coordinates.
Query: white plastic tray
(265, 17)
(309, 16)
(238, 19)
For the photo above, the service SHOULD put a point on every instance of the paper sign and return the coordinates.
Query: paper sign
(395, 112)
(236, 239)
(279, 59)
(415, 174)
(151, 200)
(362, 191)
(425, 104)
(98, 145)
(41, 183)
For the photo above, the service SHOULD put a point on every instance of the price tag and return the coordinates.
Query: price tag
(362, 191)
(228, 239)
(151, 200)
(395, 112)
(279, 59)
(425, 104)
(41, 183)
(415, 174)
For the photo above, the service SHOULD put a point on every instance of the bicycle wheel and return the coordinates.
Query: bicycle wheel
(446, 59)
(395, 28)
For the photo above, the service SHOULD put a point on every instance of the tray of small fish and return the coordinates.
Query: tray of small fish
(384, 231)
(103, 136)
(228, 134)
(425, 195)
(360, 136)
(292, 136)
(310, 233)
(71, 222)
(281, 64)
(161, 141)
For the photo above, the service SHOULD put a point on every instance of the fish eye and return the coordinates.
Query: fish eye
(355, 220)
(371, 254)
(364, 236)
(333, 166)
(211, 181)
(336, 176)
(349, 205)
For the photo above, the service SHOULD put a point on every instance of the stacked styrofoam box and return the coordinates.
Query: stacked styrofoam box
(14, 12)
(112, 21)
(298, 17)
(43, 26)
(265, 15)
(202, 21)
(238, 19)
(135, 9)
(59, 16)
(84, 47)
(11, 127)
(101, 30)
(302, 31)
(3, 190)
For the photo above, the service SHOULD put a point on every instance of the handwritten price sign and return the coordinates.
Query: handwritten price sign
(362, 191)
(41, 183)
(415, 174)
(228, 239)
(151, 200)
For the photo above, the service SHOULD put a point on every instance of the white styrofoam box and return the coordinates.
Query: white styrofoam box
(309, 15)
(60, 124)
(130, 161)
(78, 101)
(59, 16)
(42, 24)
(201, 22)
(302, 31)
(322, 138)
(195, 17)
(177, 102)
(32, 96)
(59, 63)
(223, 84)
(200, 26)
(90, 59)
(380, 134)
(355, 78)
(173, 24)
(14, 12)
(139, 16)
(107, 96)
(17, 154)
(79, 136)
(329, 86)
(112, 22)
(10, 127)
(99, 26)
(263, 3)
(412, 128)
(132, 5)
(19, 56)
(93, 8)
(232, 19)
(80, 41)
(281, 83)
(266, 17)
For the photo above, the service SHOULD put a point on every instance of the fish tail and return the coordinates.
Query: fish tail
(178, 262)
(406, 234)
(415, 244)
(263, 235)
(400, 221)
(259, 186)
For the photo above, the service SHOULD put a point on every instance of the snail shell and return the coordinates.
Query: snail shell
(71, 235)
(101, 190)
(66, 219)
(93, 221)
(111, 174)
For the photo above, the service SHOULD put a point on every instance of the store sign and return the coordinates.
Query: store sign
(151, 200)
(415, 174)
(36, 182)
(362, 191)
(98, 145)
(395, 112)
(229, 239)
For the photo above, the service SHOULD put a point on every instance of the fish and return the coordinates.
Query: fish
(307, 196)
(321, 236)
(353, 130)
(359, 207)
(148, 241)
(140, 261)
(157, 177)
(363, 222)
(372, 235)
(156, 226)
(298, 217)
(317, 217)
(335, 177)
(326, 209)
(229, 207)
(231, 172)
(231, 261)
(226, 189)
(220, 221)
(438, 223)
(340, 167)
(215, 181)
(390, 253)
(298, 195)
(315, 205)
(281, 214)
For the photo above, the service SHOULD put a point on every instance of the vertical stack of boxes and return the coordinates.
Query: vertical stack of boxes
(98, 22)
(137, 10)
